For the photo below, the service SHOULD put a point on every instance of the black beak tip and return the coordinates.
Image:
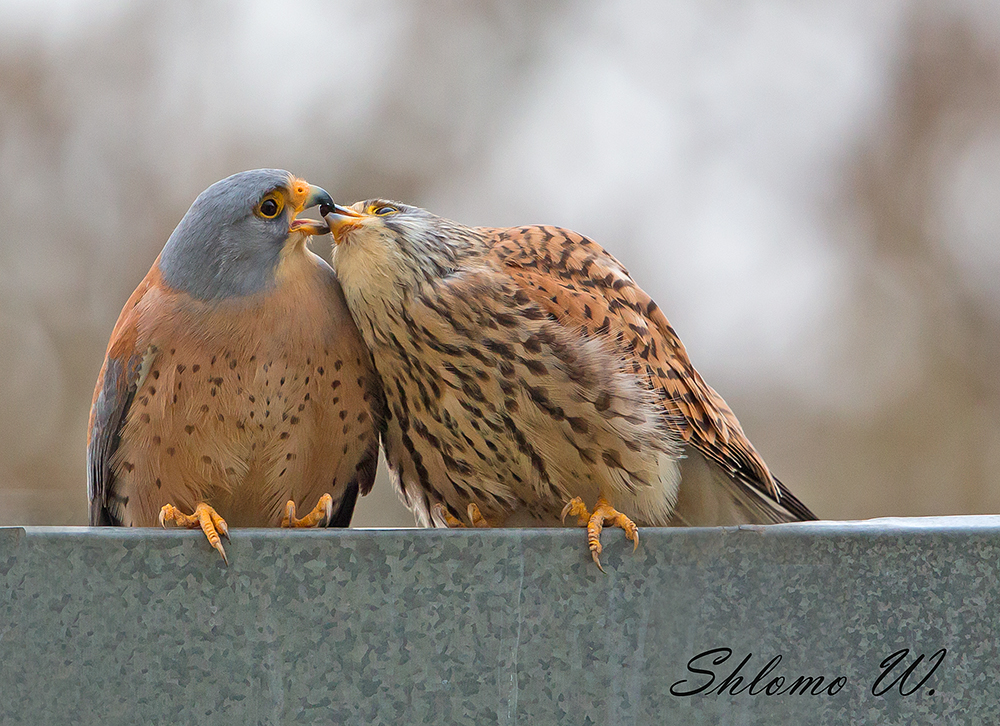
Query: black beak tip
(325, 209)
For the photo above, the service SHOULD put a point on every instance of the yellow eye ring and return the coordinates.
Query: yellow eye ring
(381, 210)
(270, 206)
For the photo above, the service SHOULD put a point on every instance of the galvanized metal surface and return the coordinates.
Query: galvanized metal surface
(504, 626)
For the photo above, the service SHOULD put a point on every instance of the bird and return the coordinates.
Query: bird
(236, 387)
(528, 378)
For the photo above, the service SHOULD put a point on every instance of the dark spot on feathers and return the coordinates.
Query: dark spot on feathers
(144, 418)
(207, 459)
(189, 429)
(293, 420)
(195, 368)
(506, 319)
(158, 483)
(156, 441)
(204, 408)
(283, 435)
(128, 466)
(181, 367)
(171, 450)
(611, 458)
(535, 366)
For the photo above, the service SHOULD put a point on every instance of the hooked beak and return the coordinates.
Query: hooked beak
(310, 196)
(341, 219)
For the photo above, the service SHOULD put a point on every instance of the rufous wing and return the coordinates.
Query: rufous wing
(120, 377)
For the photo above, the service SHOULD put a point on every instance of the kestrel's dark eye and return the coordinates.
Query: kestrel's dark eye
(384, 210)
(269, 208)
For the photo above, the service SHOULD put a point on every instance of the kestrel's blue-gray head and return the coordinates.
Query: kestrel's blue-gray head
(235, 236)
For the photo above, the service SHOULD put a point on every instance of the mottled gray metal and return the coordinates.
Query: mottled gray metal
(498, 626)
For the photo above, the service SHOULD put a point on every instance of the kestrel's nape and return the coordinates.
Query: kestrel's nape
(526, 374)
(236, 386)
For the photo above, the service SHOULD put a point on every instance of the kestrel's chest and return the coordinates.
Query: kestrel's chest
(254, 364)
(448, 433)
(228, 406)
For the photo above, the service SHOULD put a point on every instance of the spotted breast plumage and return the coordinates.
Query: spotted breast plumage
(236, 386)
(528, 377)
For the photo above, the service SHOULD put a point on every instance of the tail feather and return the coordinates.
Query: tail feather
(709, 497)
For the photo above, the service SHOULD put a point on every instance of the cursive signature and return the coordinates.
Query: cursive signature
(712, 672)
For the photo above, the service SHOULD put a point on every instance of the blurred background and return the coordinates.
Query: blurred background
(810, 190)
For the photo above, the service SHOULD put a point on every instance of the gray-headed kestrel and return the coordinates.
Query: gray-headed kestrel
(236, 386)
(528, 377)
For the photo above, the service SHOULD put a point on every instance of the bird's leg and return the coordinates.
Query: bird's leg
(475, 516)
(603, 514)
(319, 517)
(204, 518)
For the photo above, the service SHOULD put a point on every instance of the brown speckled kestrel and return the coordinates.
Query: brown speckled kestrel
(527, 376)
(236, 386)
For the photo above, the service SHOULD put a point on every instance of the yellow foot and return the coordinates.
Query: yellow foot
(205, 518)
(319, 517)
(603, 514)
(475, 516)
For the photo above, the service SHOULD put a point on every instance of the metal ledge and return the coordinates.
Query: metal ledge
(504, 626)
